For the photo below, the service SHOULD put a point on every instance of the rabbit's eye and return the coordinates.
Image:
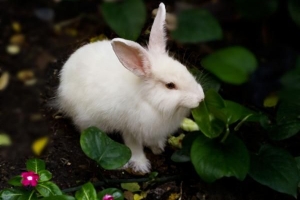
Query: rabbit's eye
(170, 86)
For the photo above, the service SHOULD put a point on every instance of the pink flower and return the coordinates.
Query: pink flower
(108, 197)
(29, 179)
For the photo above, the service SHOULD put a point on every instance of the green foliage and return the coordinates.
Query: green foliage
(11, 194)
(35, 165)
(256, 9)
(45, 175)
(294, 10)
(86, 192)
(231, 65)
(59, 197)
(197, 25)
(132, 187)
(126, 18)
(99, 147)
(15, 181)
(116, 193)
(275, 168)
(213, 159)
(48, 188)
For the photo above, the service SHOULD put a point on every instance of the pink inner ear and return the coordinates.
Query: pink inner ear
(134, 58)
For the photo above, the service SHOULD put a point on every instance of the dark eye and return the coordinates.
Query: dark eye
(170, 86)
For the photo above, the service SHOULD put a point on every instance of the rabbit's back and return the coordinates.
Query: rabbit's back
(94, 86)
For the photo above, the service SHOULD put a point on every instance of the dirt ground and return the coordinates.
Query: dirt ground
(25, 113)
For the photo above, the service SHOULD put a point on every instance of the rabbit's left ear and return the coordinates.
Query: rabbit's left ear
(132, 56)
(157, 40)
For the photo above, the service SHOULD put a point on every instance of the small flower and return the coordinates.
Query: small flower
(29, 179)
(108, 197)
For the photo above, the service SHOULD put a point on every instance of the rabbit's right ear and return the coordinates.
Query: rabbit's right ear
(132, 56)
(157, 39)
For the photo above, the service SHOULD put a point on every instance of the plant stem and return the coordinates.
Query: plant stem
(226, 134)
(237, 127)
(137, 180)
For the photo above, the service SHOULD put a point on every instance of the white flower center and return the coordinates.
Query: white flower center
(29, 178)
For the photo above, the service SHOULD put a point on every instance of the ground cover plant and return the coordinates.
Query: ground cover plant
(247, 126)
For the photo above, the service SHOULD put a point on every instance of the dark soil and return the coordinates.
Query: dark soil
(25, 112)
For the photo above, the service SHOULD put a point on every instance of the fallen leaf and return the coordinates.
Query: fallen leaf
(128, 195)
(16, 26)
(133, 187)
(27, 77)
(13, 49)
(4, 79)
(4, 139)
(39, 145)
(17, 39)
(174, 196)
(140, 196)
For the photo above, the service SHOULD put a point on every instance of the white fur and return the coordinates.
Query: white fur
(120, 86)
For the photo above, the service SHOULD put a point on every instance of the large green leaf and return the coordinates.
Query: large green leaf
(205, 117)
(116, 193)
(126, 18)
(99, 147)
(197, 25)
(35, 165)
(235, 112)
(59, 197)
(213, 159)
(11, 194)
(276, 169)
(256, 9)
(294, 10)
(287, 119)
(232, 64)
(48, 188)
(45, 175)
(29, 195)
(86, 192)
(15, 181)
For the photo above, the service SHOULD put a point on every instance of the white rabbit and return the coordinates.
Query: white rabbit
(120, 86)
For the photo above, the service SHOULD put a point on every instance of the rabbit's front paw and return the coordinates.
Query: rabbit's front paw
(138, 166)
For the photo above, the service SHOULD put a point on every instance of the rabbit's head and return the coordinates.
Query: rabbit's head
(165, 83)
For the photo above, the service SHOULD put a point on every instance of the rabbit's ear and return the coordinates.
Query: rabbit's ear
(157, 40)
(132, 56)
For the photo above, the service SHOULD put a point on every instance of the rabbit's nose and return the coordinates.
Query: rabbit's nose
(201, 93)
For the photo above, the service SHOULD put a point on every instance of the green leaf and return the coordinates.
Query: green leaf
(86, 192)
(15, 181)
(29, 195)
(132, 187)
(276, 169)
(45, 175)
(116, 193)
(11, 194)
(99, 147)
(183, 155)
(235, 112)
(294, 10)
(48, 188)
(288, 121)
(205, 114)
(35, 165)
(256, 9)
(214, 160)
(232, 64)
(126, 18)
(59, 197)
(196, 25)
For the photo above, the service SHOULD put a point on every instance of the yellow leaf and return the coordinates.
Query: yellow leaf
(174, 196)
(189, 125)
(4, 139)
(176, 141)
(39, 145)
(140, 196)
(271, 100)
(133, 187)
